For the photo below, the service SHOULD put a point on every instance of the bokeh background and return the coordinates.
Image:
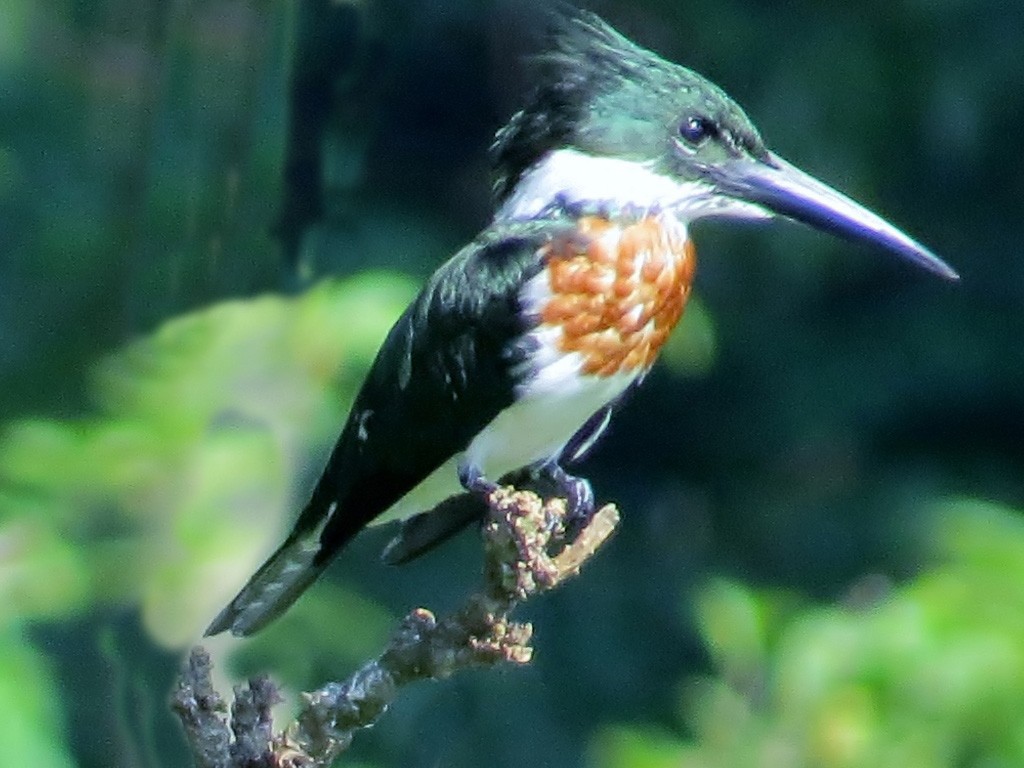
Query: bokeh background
(211, 211)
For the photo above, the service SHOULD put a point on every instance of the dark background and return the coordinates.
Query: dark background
(210, 212)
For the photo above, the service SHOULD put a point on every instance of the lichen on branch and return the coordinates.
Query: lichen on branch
(528, 549)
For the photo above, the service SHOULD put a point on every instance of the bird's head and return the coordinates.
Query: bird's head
(612, 126)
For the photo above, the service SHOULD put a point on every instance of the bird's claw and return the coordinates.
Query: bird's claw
(578, 494)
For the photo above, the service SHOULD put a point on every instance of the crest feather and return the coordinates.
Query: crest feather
(584, 58)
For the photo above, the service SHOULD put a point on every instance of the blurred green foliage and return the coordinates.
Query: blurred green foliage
(185, 474)
(929, 673)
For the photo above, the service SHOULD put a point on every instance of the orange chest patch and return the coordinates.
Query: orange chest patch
(616, 291)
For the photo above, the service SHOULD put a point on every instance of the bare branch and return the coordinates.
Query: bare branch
(526, 552)
(201, 709)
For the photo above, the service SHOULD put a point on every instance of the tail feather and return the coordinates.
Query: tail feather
(274, 587)
(426, 530)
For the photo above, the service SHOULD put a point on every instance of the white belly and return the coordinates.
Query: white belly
(537, 426)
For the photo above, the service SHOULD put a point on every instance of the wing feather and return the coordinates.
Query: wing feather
(444, 372)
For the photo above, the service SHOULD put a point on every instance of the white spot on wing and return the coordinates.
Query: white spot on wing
(361, 433)
(405, 369)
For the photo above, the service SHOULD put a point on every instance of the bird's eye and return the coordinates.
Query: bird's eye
(694, 130)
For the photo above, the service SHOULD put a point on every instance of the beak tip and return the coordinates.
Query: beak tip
(937, 266)
(783, 189)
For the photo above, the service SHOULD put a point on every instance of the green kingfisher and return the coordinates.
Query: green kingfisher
(516, 352)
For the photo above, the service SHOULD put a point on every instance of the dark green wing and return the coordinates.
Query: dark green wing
(443, 373)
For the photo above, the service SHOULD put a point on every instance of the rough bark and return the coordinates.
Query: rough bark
(527, 551)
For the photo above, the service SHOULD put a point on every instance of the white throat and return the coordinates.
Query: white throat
(570, 177)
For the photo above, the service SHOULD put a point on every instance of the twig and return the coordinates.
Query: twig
(526, 553)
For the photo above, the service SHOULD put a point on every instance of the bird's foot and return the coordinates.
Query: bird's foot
(577, 492)
(473, 480)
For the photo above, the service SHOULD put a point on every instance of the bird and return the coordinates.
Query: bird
(517, 351)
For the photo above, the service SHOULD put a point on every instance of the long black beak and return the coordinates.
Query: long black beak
(785, 190)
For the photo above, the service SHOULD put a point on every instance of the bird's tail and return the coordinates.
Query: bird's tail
(276, 585)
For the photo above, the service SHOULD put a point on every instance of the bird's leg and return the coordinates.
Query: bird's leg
(576, 490)
(473, 480)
